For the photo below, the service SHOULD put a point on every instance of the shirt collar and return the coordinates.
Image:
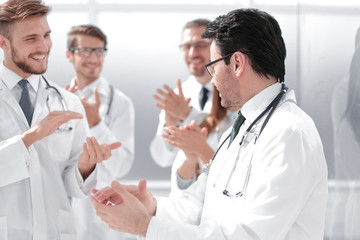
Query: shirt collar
(11, 78)
(198, 85)
(259, 102)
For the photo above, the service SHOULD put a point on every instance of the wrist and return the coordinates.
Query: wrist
(29, 137)
(186, 113)
(94, 122)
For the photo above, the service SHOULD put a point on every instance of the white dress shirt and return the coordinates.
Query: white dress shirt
(163, 153)
(118, 125)
(35, 182)
(286, 194)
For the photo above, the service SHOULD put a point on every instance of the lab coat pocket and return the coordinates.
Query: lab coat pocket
(3, 228)
(67, 225)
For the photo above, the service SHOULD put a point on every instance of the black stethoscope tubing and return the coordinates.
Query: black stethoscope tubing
(271, 106)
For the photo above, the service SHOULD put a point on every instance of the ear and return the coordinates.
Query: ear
(4, 42)
(69, 55)
(239, 63)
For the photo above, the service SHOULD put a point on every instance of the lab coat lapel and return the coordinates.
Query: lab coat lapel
(40, 110)
(9, 98)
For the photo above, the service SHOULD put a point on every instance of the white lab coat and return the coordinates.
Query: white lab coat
(162, 152)
(119, 125)
(212, 140)
(287, 190)
(35, 183)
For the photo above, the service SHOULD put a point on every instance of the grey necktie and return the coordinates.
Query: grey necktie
(25, 102)
(203, 97)
(236, 126)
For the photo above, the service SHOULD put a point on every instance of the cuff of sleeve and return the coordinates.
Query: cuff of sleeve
(184, 183)
(89, 183)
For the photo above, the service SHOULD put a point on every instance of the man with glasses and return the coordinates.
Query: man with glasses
(191, 100)
(268, 180)
(110, 115)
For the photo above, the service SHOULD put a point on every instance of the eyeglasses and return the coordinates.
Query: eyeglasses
(85, 52)
(197, 45)
(210, 66)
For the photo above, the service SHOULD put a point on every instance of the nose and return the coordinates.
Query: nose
(93, 56)
(193, 50)
(45, 44)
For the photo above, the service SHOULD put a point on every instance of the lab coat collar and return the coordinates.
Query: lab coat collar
(259, 102)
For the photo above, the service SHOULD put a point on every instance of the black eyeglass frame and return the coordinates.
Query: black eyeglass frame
(217, 60)
(73, 49)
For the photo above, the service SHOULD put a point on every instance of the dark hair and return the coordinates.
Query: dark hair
(255, 33)
(15, 10)
(352, 112)
(217, 113)
(197, 23)
(87, 30)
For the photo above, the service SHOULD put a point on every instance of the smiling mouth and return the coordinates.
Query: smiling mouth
(39, 58)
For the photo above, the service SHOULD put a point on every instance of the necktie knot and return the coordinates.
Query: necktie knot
(25, 102)
(24, 84)
(236, 126)
(203, 97)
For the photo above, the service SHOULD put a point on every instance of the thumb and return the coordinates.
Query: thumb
(188, 100)
(142, 187)
(67, 86)
(115, 145)
(204, 131)
(97, 97)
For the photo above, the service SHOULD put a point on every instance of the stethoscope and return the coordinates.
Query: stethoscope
(246, 138)
(55, 92)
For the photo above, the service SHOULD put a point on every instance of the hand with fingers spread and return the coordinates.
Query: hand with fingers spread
(176, 106)
(48, 125)
(131, 213)
(94, 153)
(92, 109)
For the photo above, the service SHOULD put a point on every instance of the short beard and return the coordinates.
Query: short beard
(22, 65)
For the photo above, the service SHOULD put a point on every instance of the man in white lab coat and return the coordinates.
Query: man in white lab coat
(188, 101)
(42, 158)
(111, 117)
(268, 179)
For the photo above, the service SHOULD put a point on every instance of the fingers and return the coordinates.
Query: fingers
(178, 84)
(72, 89)
(122, 192)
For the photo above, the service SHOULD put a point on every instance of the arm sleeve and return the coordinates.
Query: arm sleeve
(122, 129)
(14, 155)
(162, 152)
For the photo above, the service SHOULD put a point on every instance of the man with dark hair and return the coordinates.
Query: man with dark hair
(191, 100)
(268, 178)
(42, 127)
(111, 117)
